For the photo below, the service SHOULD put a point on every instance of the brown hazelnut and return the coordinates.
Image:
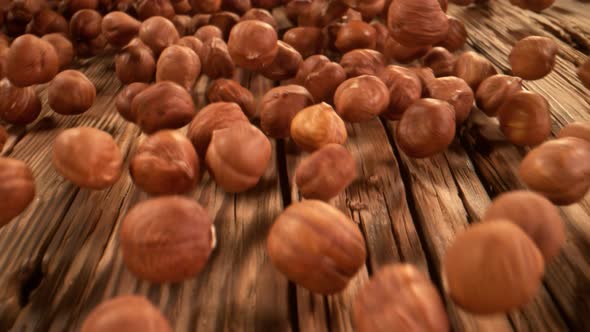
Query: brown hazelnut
(399, 296)
(31, 60)
(535, 215)
(473, 69)
(370, 9)
(425, 75)
(237, 6)
(167, 239)
(63, 48)
(216, 60)
(494, 90)
(193, 43)
(126, 313)
(25, 9)
(576, 129)
(362, 62)
(238, 156)
(119, 28)
(533, 57)
(231, 91)
(135, 63)
(260, 14)
(225, 21)
(147, 9)
(403, 54)
(381, 36)
(456, 36)
(266, 4)
(525, 118)
(415, 23)
(182, 24)
(206, 6)
(316, 246)
(444, 4)
(72, 6)
(180, 65)
(325, 173)
(125, 98)
(354, 35)
(70, 93)
(3, 137)
(253, 44)
(279, 106)
(440, 60)
(426, 128)
(558, 170)
(182, 7)
(404, 87)
(163, 105)
(320, 77)
(284, 65)
(498, 255)
(306, 40)
(165, 163)
(534, 5)
(584, 73)
(454, 91)
(316, 126)
(361, 98)
(91, 48)
(88, 157)
(208, 32)
(86, 24)
(200, 20)
(213, 117)
(158, 33)
(17, 188)
(47, 21)
(18, 105)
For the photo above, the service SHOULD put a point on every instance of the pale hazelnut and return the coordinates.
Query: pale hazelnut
(180, 65)
(363, 62)
(320, 77)
(306, 40)
(454, 91)
(253, 44)
(125, 98)
(494, 90)
(316, 126)
(216, 59)
(576, 129)
(63, 48)
(440, 60)
(18, 105)
(70, 93)
(231, 91)
(415, 23)
(361, 98)
(119, 28)
(404, 87)
(279, 106)
(525, 118)
(473, 69)
(31, 60)
(158, 33)
(135, 63)
(532, 58)
(17, 188)
(284, 65)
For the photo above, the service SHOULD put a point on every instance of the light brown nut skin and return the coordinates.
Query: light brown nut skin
(473, 69)
(63, 48)
(533, 58)
(180, 65)
(31, 60)
(417, 23)
(306, 40)
(135, 63)
(231, 91)
(361, 98)
(454, 91)
(71, 93)
(119, 28)
(284, 65)
(88, 157)
(316, 246)
(86, 24)
(17, 188)
(18, 106)
(525, 118)
(158, 33)
(216, 59)
(494, 90)
(316, 126)
(125, 98)
(321, 77)
(405, 88)
(576, 129)
(279, 106)
(253, 44)
(363, 62)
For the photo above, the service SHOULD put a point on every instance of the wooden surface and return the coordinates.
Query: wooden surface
(61, 257)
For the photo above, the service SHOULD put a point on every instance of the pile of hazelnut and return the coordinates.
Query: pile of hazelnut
(343, 61)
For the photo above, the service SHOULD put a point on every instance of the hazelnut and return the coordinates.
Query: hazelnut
(31, 60)
(426, 128)
(182, 24)
(494, 90)
(441, 61)
(284, 65)
(444, 4)
(231, 91)
(415, 23)
(253, 44)
(135, 63)
(25, 9)
(88, 157)
(320, 77)
(225, 21)
(404, 87)
(17, 188)
(193, 43)
(473, 69)
(182, 7)
(70, 93)
(325, 173)
(72, 6)
(576, 129)
(362, 62)
(370, 9)
(47, 21)
(266, 4)
(119, 28)
(316, 126)
(180, 65)
(533, 57)
(534, 5)
(382, 34)
(216, 60)
(525, 118)
(167, 239)
(165, 163)
(208, 32)
(535, 215)
(558, 170)
(403, 54)
(3, 137)
(86, 24)
(260, 14)
(237, 6)
(316, 246)
(454, 91)
(125, 98)
(584, 73)
(425, 75)
(213, 117)
(91, 48)
(498, 255)
(126, 313)
(456, 36)
(361, 98)
(206, 6)
(279, 106)
(399, 296)
(306, 40)
(200, 20)
(158, 33)
(147, 9)
(63, 48)
(354, 35)
(18, 105)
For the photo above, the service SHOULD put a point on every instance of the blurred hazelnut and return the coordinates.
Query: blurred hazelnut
(456, 36)
(253, 44)
(363, 62)
(473, 69)
(225, 21)
(147, 9)
(217, 61)
(370, 9)
(535, 215)
(454, 91)
(441, 61)
(182, 7)
(180, 65)
(266, 4)
(426, 128)
(70, 93)
(231, 91)
(576, 129)
(320, 77)
(135, 63)
(206, 6)
(534, 5)
(316, 126)
(3, 137)
(125, 98)
(25, 9)
(86, 24)
(158, 33)
(260, 15)
(182, 24)
(208, 32)
(425, 75)
(381, 36)
(91, 48)
(88, 157)
(119, 28)
(47, 21)
(279, 106)
(443, 5)
(532, 58)
(31, 60)
(237, 6)
(63, 48)
(193, 43)
(584, 73)
(316, 246)
(415, 23)
(525, 118)
(403, 54)
(361, 98)
(72, 6)
(284, 65)
(306, 40)
(18, 105)
(200, 20)
(355, 35)
(17, 188)
(167, 239)
(404, 87)
(494, 90)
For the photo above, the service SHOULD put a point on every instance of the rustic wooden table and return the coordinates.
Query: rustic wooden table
(61, 257)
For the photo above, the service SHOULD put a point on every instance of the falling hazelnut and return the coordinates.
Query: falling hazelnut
(167, 239)
(316, 126)
(135, 63)
(306, 40)
(193, 43)
(158, 33)
(320, 77)
(279, 106)
(253, 44)
(208, 32)
(119, 28)
(225, 21)
(584, 73)
(393, 50)
(180, 65)
(260, 14)
(440, 60)
(231, 91)
(88, 157)
(361, 98)
(31, 60)
(473, 69)
(316, 246)
(525, 118)
(147, 9)
(47, 21)
(532, 58)
(70, 93)
(456, 36)
(216, 59)
(86, 24)
(404, 87)
(363, 62)
(415, 23)
(17, 188)
(63, 48)
(284, 65)
(494, 90)
(454, 91)
(576, 129)
(125, 98)
(534, 5)
(355, 35)
(18, 106)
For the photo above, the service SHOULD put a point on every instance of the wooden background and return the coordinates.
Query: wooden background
(61, 257)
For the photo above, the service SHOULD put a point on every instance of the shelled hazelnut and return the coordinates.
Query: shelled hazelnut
(525, 118)
(158, 33)
(284, 65)
(316, 246)
(535, 215)
(454, 91)
(86, 24)
(393, 50)
(355, 35)
(417, 23)
(499, 255)
(558, 170)
(494, 90)
(473, 69)
(533, 57)
(440, 60)
(208, 32)
(404, 87)
(193, 43)
(30, 60)
(456, 36)
(361, 98)
(216, 60)
(47, 21)
(279, 106)
(426, 128)
(363, 62)
(316, 126)
(231, 91)
(260, 14)
(135, 63)
(3, 137)
(306, 40)
(126, 313)
(253, 44)
(182, 24)
(320, 77)
(584, 73)
(396, 297)
(237, 6)
(125, 98)
(182, 230)
(119, 28)
(17, 188)
(534, 5)
(147, 9)
(70, 93)
(576, 129)
(206, 6)
(165, 164)
(88, 157)
(180, 65)
(63, 48)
